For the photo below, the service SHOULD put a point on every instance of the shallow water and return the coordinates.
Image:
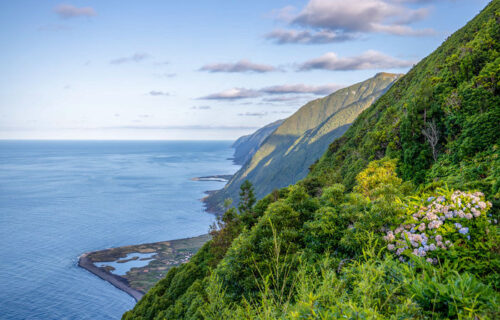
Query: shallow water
(59, 199)
(121, 268)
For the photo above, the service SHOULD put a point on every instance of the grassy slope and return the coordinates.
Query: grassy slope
(445, 87)
(285, 156)
(457, 86)
(246, 146)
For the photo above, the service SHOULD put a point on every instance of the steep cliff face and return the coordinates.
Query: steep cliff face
(285, 155)
(333, 234)
(246, 146)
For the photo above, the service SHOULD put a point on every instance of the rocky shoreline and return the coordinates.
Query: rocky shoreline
(139, 279)
(119, 282)
(218, 177)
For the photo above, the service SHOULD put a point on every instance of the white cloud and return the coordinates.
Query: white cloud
(201, 107)
(284, 98)
(370, 59)
(297, 89)
(181, 127)
(301, 88)
(358, 16)
(326, 21)
(233, 94)
(253, 114)
(240, 66)
(68, 11)
(136, 57)
(155, 93)
(282, 36)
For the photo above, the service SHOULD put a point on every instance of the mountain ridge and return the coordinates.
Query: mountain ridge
(246, 146)
(285, 155)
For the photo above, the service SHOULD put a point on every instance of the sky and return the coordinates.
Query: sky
(198, 70)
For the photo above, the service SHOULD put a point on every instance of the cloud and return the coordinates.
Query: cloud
(67, 11)
(165, 75)
(282, 36)
(327, 21)
(233, 94)
(136, 57)
(284, 99)
(243, 93)
(360, 16)
(301, 89)
(415, 1)
(370, 59)
(155, 93)
(404, 30)
(286, 13)
(186, 127)
(252, 114)
(240, 66)
(201, 107)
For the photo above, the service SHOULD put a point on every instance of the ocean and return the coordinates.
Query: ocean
(59, 199)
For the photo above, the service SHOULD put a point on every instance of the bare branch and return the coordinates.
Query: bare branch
(431, 133)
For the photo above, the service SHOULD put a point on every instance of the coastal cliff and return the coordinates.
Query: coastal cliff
(285, 155)
(397, 220)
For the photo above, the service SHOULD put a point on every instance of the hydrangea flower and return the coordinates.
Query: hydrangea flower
(429, 227)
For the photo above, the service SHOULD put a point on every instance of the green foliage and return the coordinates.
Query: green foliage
(377, 176)
(454, 295)
(326, 247)
(246, 146)
(247, 197)
(456, 90)
(285, 155)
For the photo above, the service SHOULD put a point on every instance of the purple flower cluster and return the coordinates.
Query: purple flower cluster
(424, 230)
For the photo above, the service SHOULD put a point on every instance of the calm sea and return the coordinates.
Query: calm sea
(59, 199)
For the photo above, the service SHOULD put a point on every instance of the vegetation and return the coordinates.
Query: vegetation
(246, 146)
(285, 155)
(167, 254)
(397, 220)
(440, 121)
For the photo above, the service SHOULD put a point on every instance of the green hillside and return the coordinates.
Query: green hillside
(397, 220)
(286, 154)
(454, 91)
(246, 146)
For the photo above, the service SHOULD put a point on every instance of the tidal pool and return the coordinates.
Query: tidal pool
(121, 268)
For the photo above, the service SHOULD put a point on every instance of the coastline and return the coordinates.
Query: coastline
(87, 259)
(218, 177)
(139, 279)
(117, 281)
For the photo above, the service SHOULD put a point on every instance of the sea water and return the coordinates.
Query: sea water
(131, 260)
(59, 199)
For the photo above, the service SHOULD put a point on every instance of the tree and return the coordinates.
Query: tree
(431, 133)
(247, 197)
(378, 175)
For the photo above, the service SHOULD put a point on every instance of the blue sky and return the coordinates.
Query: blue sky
(198, 69)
